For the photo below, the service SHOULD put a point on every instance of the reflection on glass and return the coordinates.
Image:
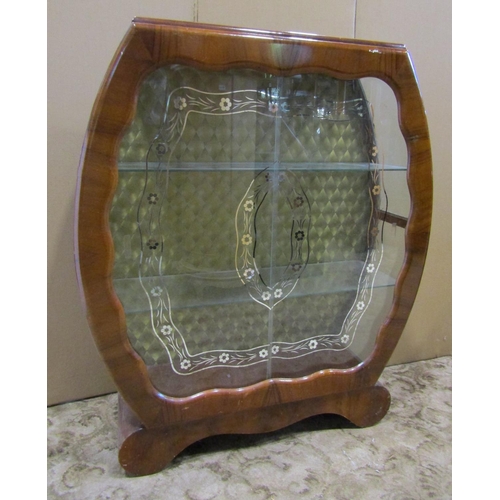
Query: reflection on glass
(248, 225)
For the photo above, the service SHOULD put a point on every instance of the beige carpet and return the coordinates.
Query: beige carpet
(406, 456)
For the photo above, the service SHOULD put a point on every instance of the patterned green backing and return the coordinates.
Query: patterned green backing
(198, 223)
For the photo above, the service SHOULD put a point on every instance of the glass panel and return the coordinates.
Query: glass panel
(247, 226)
(344, 293)
(393, 211)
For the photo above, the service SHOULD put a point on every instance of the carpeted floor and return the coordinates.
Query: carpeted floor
(406, 456)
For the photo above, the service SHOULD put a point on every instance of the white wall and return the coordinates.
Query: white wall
(82, 39)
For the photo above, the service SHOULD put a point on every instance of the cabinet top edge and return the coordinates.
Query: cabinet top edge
(292, 35)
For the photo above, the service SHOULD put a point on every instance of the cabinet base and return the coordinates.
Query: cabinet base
(147, 451)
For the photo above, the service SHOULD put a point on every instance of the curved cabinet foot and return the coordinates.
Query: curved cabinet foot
(147, 451)
(366, 407)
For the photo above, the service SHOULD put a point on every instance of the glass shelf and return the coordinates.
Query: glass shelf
(257, 167)
(225, 287)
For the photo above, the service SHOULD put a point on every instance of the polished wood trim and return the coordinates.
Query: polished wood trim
(275, 35)
(150, 44)
(146, 451)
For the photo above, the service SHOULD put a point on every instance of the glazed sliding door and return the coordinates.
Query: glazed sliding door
(346, 272)
(246, 224)
(192, 268)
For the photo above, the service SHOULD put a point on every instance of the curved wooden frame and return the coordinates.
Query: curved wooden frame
(168, 424)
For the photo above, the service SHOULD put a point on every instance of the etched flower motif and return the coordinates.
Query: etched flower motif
(263, 353)
(374, 151)
(156, 291)
(273, 107)
(360, 305)
(248, 206)
(152, 244)
(344, 339)
(274, 176)
(296, 267)
(185, 364)
(246, 239)
(152, 198)
(166, 330)
(376, 190)
(370, 268)
(278, 293)
(299, 235)
(275, 349)
(224, 357)
(313, 344)
(249, 273)
(225, 104)
(161, 149)
(180, 103)
(298, 201)
(374, 231)
(266, 296)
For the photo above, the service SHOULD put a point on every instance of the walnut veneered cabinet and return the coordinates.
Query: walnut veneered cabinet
(253, 215)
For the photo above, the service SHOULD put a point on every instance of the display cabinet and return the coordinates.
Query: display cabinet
(253, 214)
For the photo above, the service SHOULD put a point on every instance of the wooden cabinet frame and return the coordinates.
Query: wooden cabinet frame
(166, 425)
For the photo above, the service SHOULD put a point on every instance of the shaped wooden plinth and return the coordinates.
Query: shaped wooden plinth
(147, 451)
